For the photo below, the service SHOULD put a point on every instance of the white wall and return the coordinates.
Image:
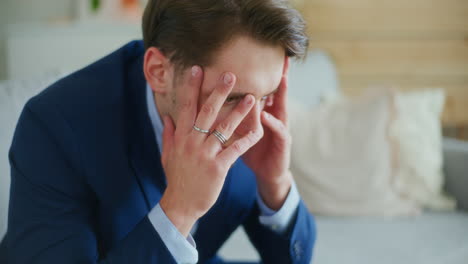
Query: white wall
(20, 11)
(34, 10)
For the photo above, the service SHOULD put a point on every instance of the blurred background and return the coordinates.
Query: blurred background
(368, 209)
(43, 36)
(405, 44)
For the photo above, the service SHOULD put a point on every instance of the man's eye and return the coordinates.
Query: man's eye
(231, 100)
(235, 100)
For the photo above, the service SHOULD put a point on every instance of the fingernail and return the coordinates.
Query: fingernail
(266, 115)
(227, 78)
(269, 102)
(248, 100)
(195, 71)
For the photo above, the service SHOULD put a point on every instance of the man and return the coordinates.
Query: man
(135, 159)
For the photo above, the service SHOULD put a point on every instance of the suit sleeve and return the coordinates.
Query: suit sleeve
(52, 215)
(294, 246)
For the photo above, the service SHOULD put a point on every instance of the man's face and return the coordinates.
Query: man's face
(258, 68)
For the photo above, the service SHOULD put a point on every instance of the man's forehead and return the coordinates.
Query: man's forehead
(258, 82)
(258, 67)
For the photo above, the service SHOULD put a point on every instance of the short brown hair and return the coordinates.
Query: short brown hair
(189, 32)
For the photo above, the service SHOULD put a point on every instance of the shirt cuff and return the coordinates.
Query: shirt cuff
(184, 250)
(279, 221)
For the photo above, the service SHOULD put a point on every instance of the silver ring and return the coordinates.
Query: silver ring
(220, 136)
(200, 130)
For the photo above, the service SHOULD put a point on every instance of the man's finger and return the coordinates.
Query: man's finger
(187, 99)
(276, 126)
(281, 96)
(240, 146)
(210, 109)
(230, 123)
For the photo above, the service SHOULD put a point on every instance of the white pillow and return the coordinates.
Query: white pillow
(342, 158)
(379, 154)
(417, 135)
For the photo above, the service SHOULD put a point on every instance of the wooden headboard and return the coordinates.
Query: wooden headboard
(411, 44)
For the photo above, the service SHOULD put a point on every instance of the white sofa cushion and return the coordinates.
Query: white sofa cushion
(342, 157)
(377, 154)
(417, 136)
(431, 238)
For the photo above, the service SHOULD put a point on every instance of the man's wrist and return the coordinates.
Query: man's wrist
(274, 193)
(182, 248)
(181, 218)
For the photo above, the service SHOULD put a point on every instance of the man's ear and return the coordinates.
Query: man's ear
(158, 70)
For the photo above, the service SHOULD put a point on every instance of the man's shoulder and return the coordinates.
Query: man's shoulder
(95, 85)
(84, 113)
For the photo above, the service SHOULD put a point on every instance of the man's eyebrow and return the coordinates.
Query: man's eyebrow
(241, 95)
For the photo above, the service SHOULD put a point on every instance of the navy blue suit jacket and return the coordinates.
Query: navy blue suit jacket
(85, 172)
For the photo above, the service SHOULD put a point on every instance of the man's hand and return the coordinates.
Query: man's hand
(270, 158)
(195, 163)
